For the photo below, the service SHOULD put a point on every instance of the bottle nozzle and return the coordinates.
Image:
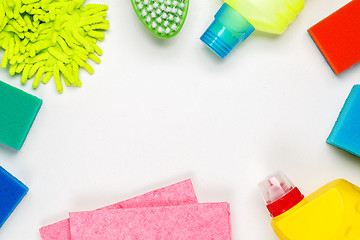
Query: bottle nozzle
(276, 189)
(227, 30)
(279, 194)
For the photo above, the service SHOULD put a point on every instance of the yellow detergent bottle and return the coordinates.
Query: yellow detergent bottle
(237, 19)
(330, 213)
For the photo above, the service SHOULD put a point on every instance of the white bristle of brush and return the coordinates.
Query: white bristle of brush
(163, 15)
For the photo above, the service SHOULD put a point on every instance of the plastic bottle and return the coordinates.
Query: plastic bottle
(237, 19)
(330, 213)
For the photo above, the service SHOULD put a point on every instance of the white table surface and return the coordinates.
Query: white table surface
(156, 112)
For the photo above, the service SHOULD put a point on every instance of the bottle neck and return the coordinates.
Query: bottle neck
(285, 203)
(227, 30)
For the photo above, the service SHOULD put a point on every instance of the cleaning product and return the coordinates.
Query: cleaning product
(18, 110)
(330, 213)
(181, 193)
(163, 18)
(12, 192)
(200, 221)
(338, 37)
(51, 38)
(346, 131)
(237, 19)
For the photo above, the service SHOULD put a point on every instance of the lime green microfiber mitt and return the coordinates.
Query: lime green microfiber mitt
(51, 38)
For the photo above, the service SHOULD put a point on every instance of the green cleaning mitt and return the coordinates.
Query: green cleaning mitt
(51, 38)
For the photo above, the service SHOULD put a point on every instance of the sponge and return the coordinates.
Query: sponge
(17, 113)
(11, 193)
(346, 132)
(338, 37)
(51, 38)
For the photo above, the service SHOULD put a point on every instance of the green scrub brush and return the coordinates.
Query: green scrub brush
(51, 38)
(163, 18)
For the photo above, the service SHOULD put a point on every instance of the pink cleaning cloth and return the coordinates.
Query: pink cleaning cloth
(178, 194)
(210, 221)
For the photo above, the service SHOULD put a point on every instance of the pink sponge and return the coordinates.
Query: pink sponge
(177, 194)
(186, 222)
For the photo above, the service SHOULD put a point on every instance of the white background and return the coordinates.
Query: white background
(156, 112)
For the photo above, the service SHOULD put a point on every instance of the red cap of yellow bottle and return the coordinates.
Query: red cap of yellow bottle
(280, 194)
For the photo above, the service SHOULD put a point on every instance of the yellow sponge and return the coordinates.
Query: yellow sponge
(51, 38)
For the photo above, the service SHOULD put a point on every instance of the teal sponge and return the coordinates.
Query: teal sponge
(17, 113)
(346, 132)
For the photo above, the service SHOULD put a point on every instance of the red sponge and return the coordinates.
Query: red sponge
(338, 37)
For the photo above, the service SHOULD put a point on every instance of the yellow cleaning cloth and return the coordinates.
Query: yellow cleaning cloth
(51, 38)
